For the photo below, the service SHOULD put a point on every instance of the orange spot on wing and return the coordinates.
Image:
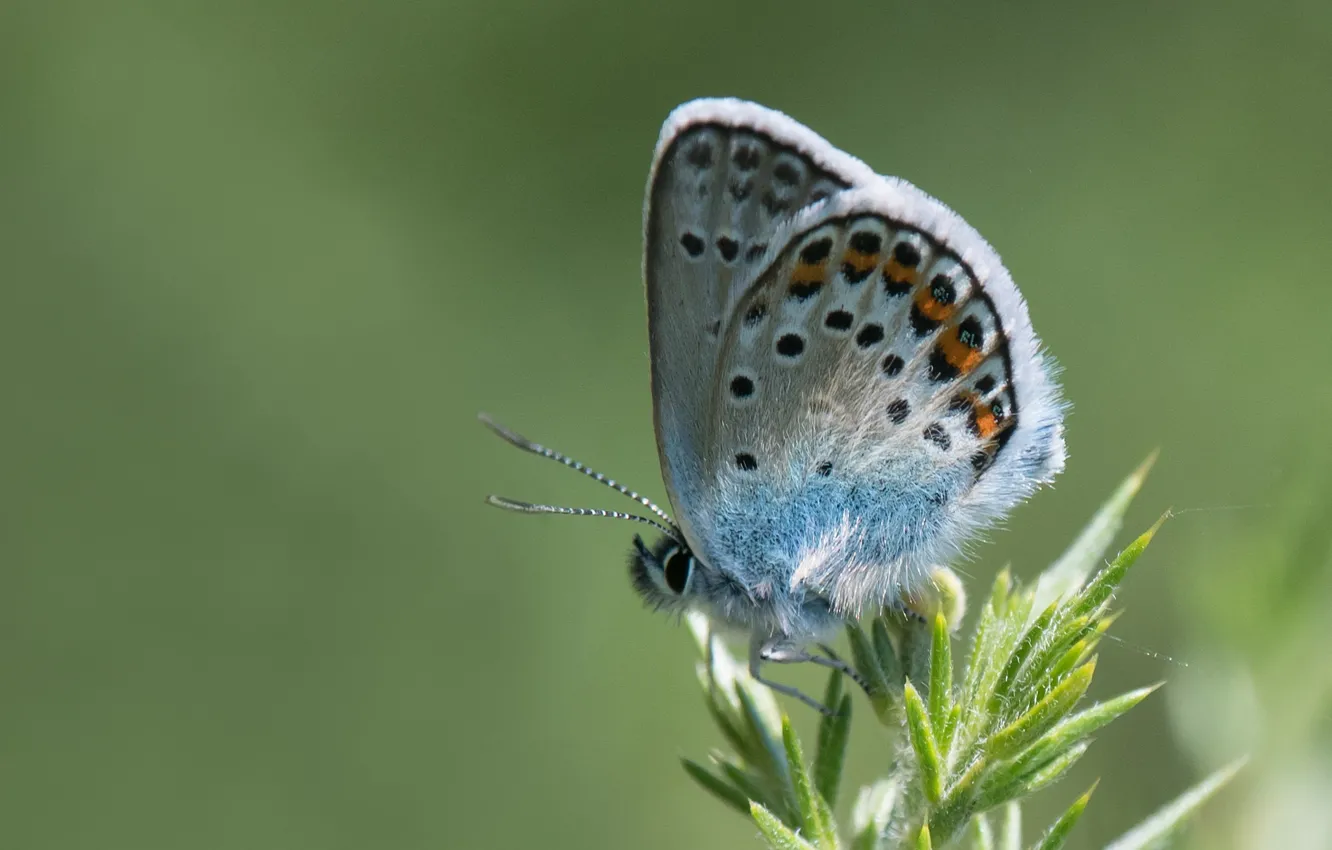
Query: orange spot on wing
(991, 425)
(808, 273)
(961, 356)
(982, 421)
(862, 263)
(898, 272)
(936, 310)
(986, 423)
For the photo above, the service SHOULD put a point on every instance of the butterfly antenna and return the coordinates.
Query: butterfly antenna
(538, 449)
(528, 508)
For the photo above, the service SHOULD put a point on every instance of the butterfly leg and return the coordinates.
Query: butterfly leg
(787, 654)
(829, 659)
(760, 651)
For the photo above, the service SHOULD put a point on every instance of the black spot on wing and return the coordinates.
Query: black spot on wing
(816, 251)
(971, 334)
(940, 367)
(839, 320)
(866, 242)
(942, 289)
(692, 243)
(728, 248)
(906, 254)
(804, 291)
(895, 288)
(699, 154)
(870, 335)
(791, 345)
(786, 173)
(745, 158)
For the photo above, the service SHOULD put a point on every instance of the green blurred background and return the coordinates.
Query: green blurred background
(261, 263)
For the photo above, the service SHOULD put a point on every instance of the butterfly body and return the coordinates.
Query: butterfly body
(845, 379)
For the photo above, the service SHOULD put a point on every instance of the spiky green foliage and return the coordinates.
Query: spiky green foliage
(972, 746)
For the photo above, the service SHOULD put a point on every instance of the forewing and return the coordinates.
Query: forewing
(726, 175)
(881, 395)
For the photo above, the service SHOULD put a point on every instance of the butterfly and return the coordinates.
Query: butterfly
(846, 384)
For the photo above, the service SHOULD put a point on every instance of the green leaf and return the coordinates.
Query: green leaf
(1042, 716)
(1054, 769)
(1157, 830)
(829, 841)
(776, 833)
(997, 633)
(1008, 676)
(941, 677)
(886, 652)
(950, 731)
(917, 649)
(814, 816)
(752, 786)
(980, 835)
(832, 694)
(1067, 574)
(745, 712)
(730, 728)
(923, 840)
(999, 591)
(717, 667)
(867, 665)
(1010, 606)
(872, 812)
(1008, 782)
(1063, 633)
(922, 742)
(701, 629)
(720, 788)
(979, 658)
(1058, 833)
(1010, 828)
(1082, 649)
(955, 806)
(1102, 585)
(1073, 729)
(770, 755)
(834, 731)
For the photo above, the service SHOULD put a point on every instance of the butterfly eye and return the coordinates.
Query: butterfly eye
(676, 569)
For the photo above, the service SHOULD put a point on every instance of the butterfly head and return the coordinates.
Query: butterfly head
(662, 574)
(670, 577)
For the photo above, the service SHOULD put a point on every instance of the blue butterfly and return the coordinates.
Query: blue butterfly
(846, 384)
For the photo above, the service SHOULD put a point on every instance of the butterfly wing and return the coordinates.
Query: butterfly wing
(880, 396)
(726, 175)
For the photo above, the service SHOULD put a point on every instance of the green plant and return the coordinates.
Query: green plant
(970, 748)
